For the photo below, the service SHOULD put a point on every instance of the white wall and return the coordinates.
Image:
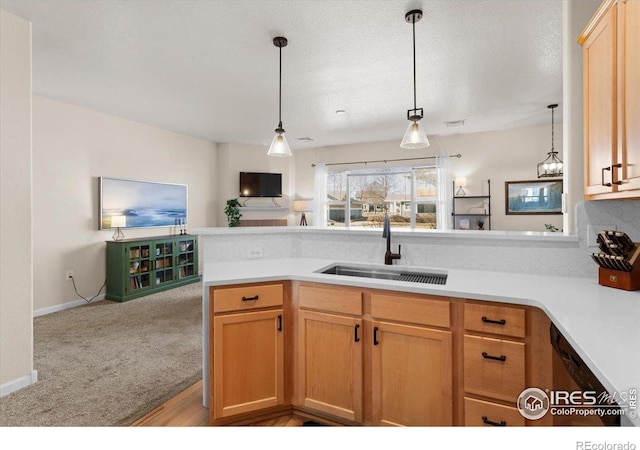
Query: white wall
(510, 155)
(236, 158)
(16, 270)
(72, 147)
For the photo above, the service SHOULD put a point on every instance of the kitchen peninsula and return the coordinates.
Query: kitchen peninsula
(599, 322)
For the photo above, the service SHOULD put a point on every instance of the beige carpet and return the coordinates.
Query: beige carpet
(109, 363)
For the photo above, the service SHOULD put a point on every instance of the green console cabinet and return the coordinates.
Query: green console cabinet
(138, 267)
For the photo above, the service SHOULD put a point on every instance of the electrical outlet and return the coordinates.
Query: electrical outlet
(592, 233)
(255, 252)
(68, 275)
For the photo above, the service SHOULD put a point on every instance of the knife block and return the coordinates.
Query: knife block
(629, 281)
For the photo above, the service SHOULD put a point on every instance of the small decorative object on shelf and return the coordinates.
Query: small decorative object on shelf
(480, 222)
(232, 212)
(551, 228)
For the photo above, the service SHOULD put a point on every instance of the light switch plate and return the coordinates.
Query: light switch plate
(592, 233)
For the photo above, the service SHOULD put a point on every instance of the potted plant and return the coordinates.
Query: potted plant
(480, 222)
(232, 212)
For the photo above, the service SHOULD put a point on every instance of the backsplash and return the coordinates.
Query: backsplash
(518, 255)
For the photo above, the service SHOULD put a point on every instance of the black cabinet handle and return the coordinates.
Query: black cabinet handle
(248, 299)
(602, 181)
(502, 423)
(497, 358)
(497, 322)
(356, 338)
(375, 336)
(279, 322)
(616, 166)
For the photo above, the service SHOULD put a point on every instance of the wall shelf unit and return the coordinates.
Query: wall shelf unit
(469, 210)
(139, 267)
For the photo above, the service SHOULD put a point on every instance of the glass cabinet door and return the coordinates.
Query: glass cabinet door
(163, 264)
(139, 266)
(186, 258)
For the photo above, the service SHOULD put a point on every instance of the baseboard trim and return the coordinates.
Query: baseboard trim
(68, 305)
(20, 383)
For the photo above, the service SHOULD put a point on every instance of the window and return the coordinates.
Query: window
(361, 198)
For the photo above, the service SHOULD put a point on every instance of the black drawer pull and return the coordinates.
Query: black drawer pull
(497, 322)
(279, 322)
(502, 423)
(502, 358)
(375, 336)
(356, 338)
(248, 299)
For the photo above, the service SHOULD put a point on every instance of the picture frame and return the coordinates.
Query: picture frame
(533, 197)
(144, 204)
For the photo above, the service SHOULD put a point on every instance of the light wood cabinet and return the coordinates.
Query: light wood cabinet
(411, 375)
(371, 357)
(330, 363)
(611, 69)
(248, 349)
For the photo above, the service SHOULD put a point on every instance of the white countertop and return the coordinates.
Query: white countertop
(601, 323)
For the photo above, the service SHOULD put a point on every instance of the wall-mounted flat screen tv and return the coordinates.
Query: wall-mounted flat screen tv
(144, 204)
(260, 184)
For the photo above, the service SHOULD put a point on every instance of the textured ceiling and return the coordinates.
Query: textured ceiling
(209, 68)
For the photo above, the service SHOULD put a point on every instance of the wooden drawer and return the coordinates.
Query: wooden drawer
(421, 310)
(503, 320)
(478, 413)
(246, 297)
(341, 301)
(502, 378)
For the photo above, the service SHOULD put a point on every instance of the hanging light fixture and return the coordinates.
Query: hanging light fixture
(552, 166)
(279, 145)
(415, 136)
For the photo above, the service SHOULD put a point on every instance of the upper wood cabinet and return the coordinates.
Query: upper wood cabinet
(611, 59)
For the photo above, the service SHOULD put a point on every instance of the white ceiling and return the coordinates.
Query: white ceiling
(209, 68)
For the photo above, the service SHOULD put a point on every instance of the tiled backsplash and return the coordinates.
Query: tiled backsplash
(521, 255)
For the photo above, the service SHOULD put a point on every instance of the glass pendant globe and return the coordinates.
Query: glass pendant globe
(414, 137)
(279, 146)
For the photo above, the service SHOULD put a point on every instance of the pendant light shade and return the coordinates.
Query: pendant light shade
(552, 166)
(279, 145)
(415, 136)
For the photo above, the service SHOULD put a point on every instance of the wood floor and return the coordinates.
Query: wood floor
(186, 410)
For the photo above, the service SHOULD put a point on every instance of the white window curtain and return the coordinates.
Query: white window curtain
(444, 189)
(320, 196)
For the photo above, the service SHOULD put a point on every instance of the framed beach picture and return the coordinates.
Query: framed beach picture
(142, 204)
(533, 197)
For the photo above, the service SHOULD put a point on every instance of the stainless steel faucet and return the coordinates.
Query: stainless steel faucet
(386, 234)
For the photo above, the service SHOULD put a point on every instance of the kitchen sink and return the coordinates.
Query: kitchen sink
(412, 276)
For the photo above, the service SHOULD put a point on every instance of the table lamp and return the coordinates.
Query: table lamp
(303, 206)
(118, 222)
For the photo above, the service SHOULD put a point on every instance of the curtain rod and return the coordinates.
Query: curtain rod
(386, 160)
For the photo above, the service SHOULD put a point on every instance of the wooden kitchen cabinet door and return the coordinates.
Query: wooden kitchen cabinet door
(629, 94)
(412, 375)
(248, 365)
(330, 363)
(600, 140)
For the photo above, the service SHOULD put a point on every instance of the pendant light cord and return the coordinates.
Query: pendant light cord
(280, 93)
(552, 147)
(413, 21)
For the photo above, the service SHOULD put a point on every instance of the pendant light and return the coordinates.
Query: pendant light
(415, 136)
(279, 145)
(552, 166)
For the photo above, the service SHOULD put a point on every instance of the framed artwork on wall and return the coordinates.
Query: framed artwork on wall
(533, 197)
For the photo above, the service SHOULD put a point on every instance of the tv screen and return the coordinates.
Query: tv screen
(144, 204)
(257, 184)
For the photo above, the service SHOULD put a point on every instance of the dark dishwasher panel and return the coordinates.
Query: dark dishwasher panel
(570, 373)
